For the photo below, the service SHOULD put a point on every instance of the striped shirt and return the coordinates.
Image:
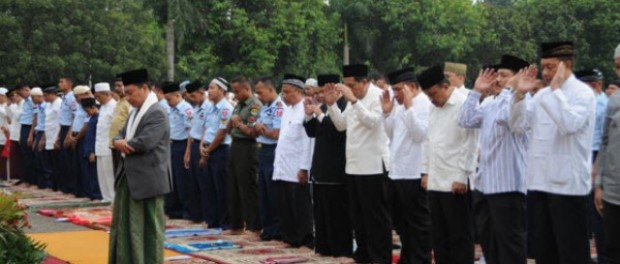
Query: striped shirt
(502, 147)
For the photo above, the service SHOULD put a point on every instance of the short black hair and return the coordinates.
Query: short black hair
(375, 76)
(243, 81)
(360, 78)
(267, 80)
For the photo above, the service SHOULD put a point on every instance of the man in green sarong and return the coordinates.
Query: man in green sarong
(142, 177)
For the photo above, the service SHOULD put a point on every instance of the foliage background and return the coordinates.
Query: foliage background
(93, 40)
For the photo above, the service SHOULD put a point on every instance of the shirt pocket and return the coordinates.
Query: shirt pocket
(560, 170)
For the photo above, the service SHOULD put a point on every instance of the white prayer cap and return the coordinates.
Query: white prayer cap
(81, 89)
(36, 91)
(102, 87)
(312, 82)
(3, 91)
(617, 53)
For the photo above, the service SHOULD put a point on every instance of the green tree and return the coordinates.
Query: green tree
(91, 40)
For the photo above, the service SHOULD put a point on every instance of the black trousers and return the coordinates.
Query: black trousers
(242, 186)
(561, 228)
(295, 213)
(27, 159)
(217, 176)
(333, 230)
(52, 166)
(39, 161)
(452, 234)
(66, 168)
(370, 217)
(267, 193)
(88, 180)
(79, 167)
(197, 185)
(611, 220)
(177, 202)
(412, 219)
(501, 223)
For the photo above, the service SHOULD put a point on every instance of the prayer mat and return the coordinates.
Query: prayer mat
(186, 232)
(80, 247)
(201, 246)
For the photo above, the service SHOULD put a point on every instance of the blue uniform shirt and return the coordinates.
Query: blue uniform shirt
(165, 105)
(601, 107)
(217, 119)
(67, 109)
(80, 119)
(41, 117)
(270, 116)
(199, 119)
(180, 120)
(28, 109)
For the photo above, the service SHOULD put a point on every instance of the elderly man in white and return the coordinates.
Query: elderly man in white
(105, 167)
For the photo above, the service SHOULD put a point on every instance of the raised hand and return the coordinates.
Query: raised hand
(486, 79)
(560, 77)
(346, 92)
(308, 107)
(527, 80)
(407, 97)
(329, 94)
(386, 102)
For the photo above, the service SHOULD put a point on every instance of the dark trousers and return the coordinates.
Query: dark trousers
(452, 234)
(333, 229)
(197, 185)
(66, 164)
(531, 223)
(27, 155)
(217, 174)
(51, 165)
(501, 225)
(177, 201)
(412, 219)
(79, 167)
(88, 180)
(15, 161)
(267, 193)
(561, 228)
(295, 213)
(611, 220)
(596, 229)
(371, 220)
(3, 163)
(42, 180)
(242, 186)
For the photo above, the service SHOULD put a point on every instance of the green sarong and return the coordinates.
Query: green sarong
(137, 233)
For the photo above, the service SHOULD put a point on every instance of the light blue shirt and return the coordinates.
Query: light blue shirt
(180, 120)
(217, 119)
(28, 110)
(80, 119)
(67, 109)
(199, 119)
(503, 148)
(601, 106)
(270, 116)
(41, 117)
(165, 105)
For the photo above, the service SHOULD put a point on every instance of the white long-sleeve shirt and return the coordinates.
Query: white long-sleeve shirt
(293, 152)
(4, 121)
(52, 124)
(407, 129)
(15, 111)
(559, 158)
(102, 136)
(367, 150)
(450, 149)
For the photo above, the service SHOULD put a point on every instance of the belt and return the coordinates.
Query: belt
(249, 140)
(75, 133)
(263, 145)
(178, 141)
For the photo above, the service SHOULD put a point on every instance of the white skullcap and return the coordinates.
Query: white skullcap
(3, 91)
(102, 87)
(36, 91)
(312, 82)
(81, 89)
(617, 53)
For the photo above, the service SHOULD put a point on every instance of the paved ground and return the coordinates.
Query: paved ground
(43, 224)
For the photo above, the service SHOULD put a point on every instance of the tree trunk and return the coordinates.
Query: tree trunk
(170, 48)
